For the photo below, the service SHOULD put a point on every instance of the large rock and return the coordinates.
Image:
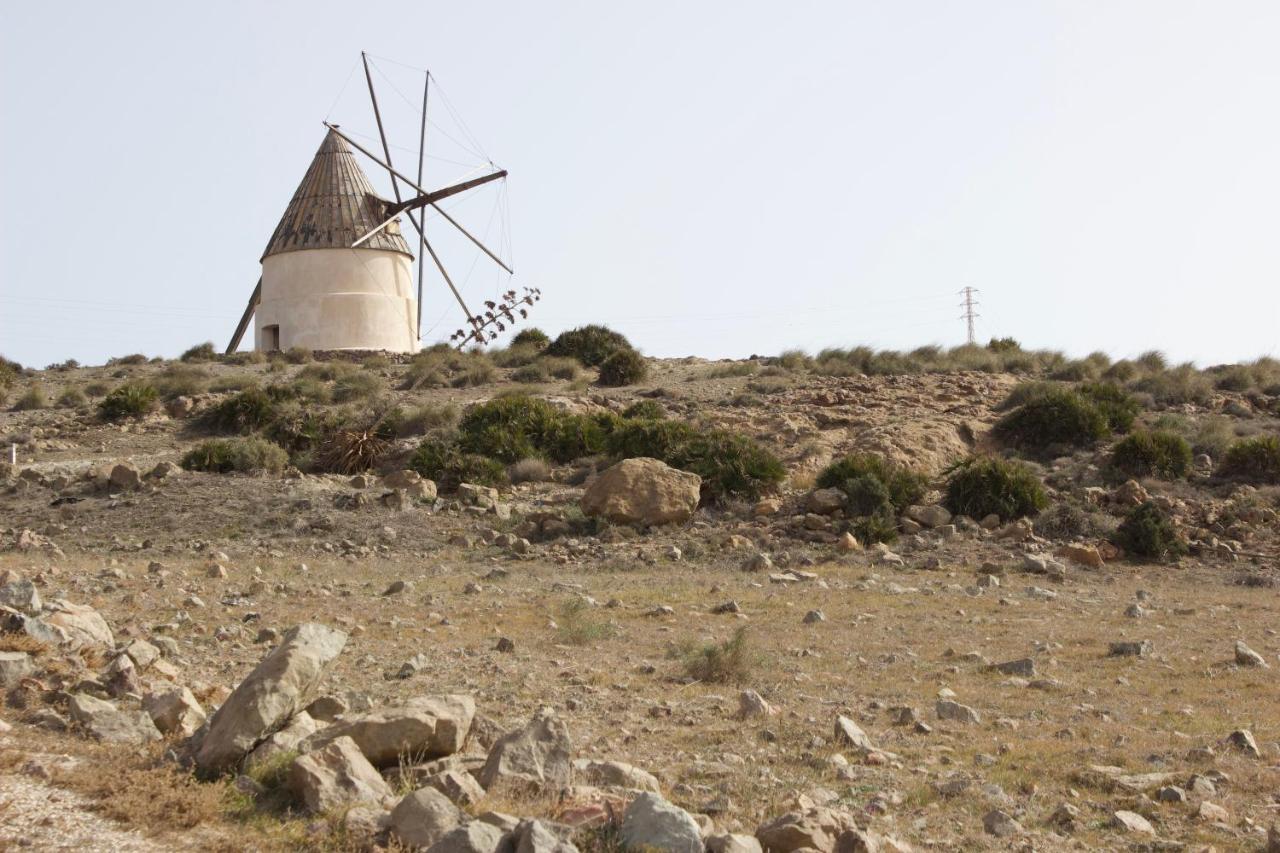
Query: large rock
(643, 491)
(109, 724)
(816, 828)
(336, 776)
(652, 823)
(424, 727)
(14, 666)
(280, 686)
(66, 624)
(459, 786)
(540, 754)
(424, 817)
(175, 711)
(473, 837)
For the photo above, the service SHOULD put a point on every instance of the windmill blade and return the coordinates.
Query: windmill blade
(469, 236)
(430, 199)
(238, 334)
(422, 150)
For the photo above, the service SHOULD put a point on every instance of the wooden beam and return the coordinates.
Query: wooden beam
(431, 199)
(422, 237)
(244, 320)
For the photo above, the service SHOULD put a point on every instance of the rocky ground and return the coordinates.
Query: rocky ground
(484, 669)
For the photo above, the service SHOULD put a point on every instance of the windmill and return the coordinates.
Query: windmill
(336, 273)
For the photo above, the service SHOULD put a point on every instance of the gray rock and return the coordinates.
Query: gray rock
(473, 837)
(63, 623)
(849, 733)
(1025, 667)
(175, 711)
(1242, 739)
(824, 501)
(1132, 822)
(21, 595)
(300, 727)
(540, 754)
(946, 709)
(1246, 656)
(14, 666)
(534, 836)
(424, 817)
(928, 516)
(335, 776)
(424, 727)
(652, 823)
(458, 785)
(1001, 824)
(616, 774)
(733, 843)
(142, 653)
(109, 724)
(1127, 648)
(280, 686)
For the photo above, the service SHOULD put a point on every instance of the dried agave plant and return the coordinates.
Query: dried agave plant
(498, 316)
(351, 451)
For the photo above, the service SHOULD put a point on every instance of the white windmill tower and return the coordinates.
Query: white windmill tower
(337, 274)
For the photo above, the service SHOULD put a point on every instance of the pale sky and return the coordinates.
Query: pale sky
(711, 178)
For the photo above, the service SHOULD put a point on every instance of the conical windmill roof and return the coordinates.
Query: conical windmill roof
(334, 206)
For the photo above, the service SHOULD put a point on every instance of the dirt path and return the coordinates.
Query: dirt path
(38, 816)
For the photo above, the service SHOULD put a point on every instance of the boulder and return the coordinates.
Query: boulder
(1246, 656)
(109, 724)
(816, 828)
(424, 727)
(142, 653)
(424, 817)
(458, 785)
(124, 477)
(540, 755)
(280, 686)
(473, 837)
(175, 711)
(643, 491)
(21, 595)
(1085, 555)
(337, 775)
(931, 515)
(616, 774)
(66, 624)
(533, 836)
(849, 733)
(947, 709)
(824, 501)
(14, 666)
(652, 823)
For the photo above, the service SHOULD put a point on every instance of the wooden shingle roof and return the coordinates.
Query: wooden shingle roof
(334, 206)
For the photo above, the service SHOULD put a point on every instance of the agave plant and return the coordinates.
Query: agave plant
(350, 451)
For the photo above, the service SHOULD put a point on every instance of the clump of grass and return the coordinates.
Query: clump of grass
(130, 400)
(623, 367)
(514, 356)
(358, 385)
(234, 382)
(645, 410)
(1147, 532)
(989, 485)
(767, 386)
(1165, 455)
(728, 662)
(1117, 407)
(732, 370)
(1256, 460)
(97, 388)
(441, 366)
(180, 380)
(72, 398)
(130, 360)
(297, 355)
(1177, 386)
(1065, 521)
(529, 471)
(577, 625)
(422, 419)
(1057, 419)
(250, 410)
(547, 368)
(200, 352)
(34, 398)
(223, 455)
(590, 345)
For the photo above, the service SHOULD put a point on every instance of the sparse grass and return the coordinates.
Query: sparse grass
(732, 370)
(33, 398)
(728, 662)
(442, 366)
(131, 400)
(1177, 386)
(234, 382)
(97, 388)
(546, 368)
(645, 410)
(223, 455)
(131, 360)
(578, 625)
(360, 385)
(180, 380)
(421, 419)
(529, 471)
(72, 398)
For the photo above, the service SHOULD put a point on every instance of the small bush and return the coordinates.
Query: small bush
(875, 527)
(720, 663)
(250, 410)
(1116, 406)
(509, 429)
(297, 355)
(1177, 386)
(200, 352)
(441, 460)
(1254, 459)
(871, 482)
(730, 465)
(646, 410)
(180, 380)
(222, 455)
(352, 451)
(127, 360)
(34, 398)
(1152, 454)
(475, 375)
(1147, 532)
(326, 371)
(131, 400)
(590, 345)
(97, 389)
(1053, 420)
(577, 626)
(546, 368)
(72, 398)
(1065, 522)
(624, 367)
(531, 337)
(514, 356)
(529, 471)
(357, 386)
(1004, 345)
(1025, 392)
(992, 486)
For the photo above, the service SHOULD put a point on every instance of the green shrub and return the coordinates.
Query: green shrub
(590, 345)
(1003, 345)
(1160, 454)
(514, 356)
(34, 398)
(1152, 361)
(131, 400)
(1254, 459)
(1122, 371)
(72, 398)
(645, 410)
(1055, 419)
(871, 483)
(252, 409)
(1177, 386)
(421, 419)
(546, 368)
(624, 367)
(1025, 392)
(730, 465)
(1147, 532)
(719, 663)
(1117, 406)
(992, 486)
(222, 455)
(441, 460)
(509, 429)
(200, 352)
(531, 337)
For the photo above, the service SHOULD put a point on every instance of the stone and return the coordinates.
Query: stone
(1130, 493)
(930, 516)
(335, 776)
(472, 837)
(175, 711)
(423, 726)
(813, 617)
(616, 774)
(288, 739)
(326, 708)
(401, 479)
(643, 491)
(1038, 564)
(124, 477)
(1171, 794)
(1132, 822)
(733, 843)
(424, 817)
(1242, 740)
(75, 625)
(757, 563)
(109, 724)
(844, 542)
(651, 823)
(21, 595)
(142, 653)
(816, 828)
(1246, 656)
(280, 686)
(849, 733)
(539, 755)
(1212, 812)
(752, 704)
(1000, 824)
(1138, 649)
(824, 501)
(459, 786)
(947, 709)
(1085, 555)
(14, 666)
(1025, 667)
(533, 836)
